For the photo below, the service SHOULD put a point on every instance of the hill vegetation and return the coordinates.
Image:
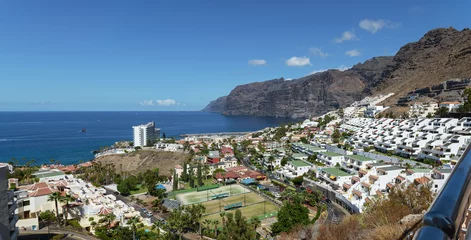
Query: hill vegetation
(143, 160)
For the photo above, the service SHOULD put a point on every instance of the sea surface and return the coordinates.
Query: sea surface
(57, 135)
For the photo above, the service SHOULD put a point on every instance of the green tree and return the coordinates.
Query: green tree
(55, 197)
(184, 176)
(175, 181)
(191, 178)
(298, 180)
(67, 199)
(236, 227)
(133, 222)
(290, 215)
(199, 175)
(151, 178)
(441, 112)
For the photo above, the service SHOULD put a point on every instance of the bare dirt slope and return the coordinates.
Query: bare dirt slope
(145, 159)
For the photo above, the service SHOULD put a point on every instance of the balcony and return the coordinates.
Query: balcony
(14, 234)
(13, 220)
(12, 207)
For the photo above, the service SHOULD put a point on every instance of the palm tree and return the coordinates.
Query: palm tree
(55, 197)
(66, 199)
(255, 222)
(133, 222)
(216, 223)
(222, 214)
(108, 219)
(206, 170)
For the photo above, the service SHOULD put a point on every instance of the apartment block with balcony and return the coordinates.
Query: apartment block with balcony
(353, 163)
(8, 218)
(331, 158)
(306, 148)
(294, 169)
(334, 176)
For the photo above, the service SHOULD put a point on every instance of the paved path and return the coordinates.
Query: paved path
(42, 234)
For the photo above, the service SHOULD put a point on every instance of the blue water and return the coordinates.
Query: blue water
(45, 135)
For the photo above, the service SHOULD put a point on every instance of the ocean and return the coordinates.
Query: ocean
(57, 135)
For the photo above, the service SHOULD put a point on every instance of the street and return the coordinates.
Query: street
(135, 206)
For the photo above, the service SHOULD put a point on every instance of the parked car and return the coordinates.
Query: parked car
(277, 195)
(149, 214)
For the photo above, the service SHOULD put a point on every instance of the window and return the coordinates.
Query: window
(26, 203)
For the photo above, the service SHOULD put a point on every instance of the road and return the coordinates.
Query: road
(42, 234)
(135, 206)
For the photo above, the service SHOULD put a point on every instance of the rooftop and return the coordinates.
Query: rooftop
(297, 163)
(392, 168)
(44, 174)
(331, 154)
(360, 158)
(336, 172)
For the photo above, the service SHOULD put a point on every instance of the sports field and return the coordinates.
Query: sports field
(215, 206)
(204, 196)
(254, 210)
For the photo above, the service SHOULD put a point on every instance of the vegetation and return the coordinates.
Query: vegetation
(381, 218)
(99, 174)
(235, 226)
(23, 174)
(290, 215)
(55, 197)
(185, 219)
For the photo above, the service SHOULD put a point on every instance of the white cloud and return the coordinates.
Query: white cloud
(374, 26)
(257, 62)
(166, 102)
(346, 36)
(288, 79)
(147, 103)
(318, 52)
(353, 53)
(298, 61)
(340, 68)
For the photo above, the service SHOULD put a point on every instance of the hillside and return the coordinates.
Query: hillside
(143, 160)
(438, 56)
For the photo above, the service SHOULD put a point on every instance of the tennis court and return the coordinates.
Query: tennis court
(204, 196)
(216, 206)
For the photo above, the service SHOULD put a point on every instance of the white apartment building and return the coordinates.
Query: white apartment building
(435, 139)
(330, 158)
(143, 133)
(8, 218)
(306, 148)
(334, 176)
(450, 106)
(422, 110)
(353, 163)
(294, 169)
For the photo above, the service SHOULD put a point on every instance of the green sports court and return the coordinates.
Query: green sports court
(210, 194)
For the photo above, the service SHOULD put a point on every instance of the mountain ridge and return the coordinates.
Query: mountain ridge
(440, 54)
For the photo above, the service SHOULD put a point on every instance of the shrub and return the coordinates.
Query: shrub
(74, 223)
(58, 237)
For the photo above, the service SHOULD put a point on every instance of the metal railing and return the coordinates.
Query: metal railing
(449, 215)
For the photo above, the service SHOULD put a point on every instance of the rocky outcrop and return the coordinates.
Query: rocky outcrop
(216, 105)
(440, 55)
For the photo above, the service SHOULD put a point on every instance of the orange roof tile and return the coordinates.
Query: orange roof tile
(421, 180)
(41, 192)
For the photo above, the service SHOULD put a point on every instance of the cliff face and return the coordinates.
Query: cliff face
(439, 55)
(216, 105)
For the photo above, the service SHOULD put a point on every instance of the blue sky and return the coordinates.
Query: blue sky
(179, 55)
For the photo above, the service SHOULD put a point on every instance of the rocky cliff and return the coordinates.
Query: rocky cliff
(216, 105)
(439, 55)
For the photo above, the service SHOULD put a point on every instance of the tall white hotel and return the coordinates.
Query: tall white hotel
(145, 132)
